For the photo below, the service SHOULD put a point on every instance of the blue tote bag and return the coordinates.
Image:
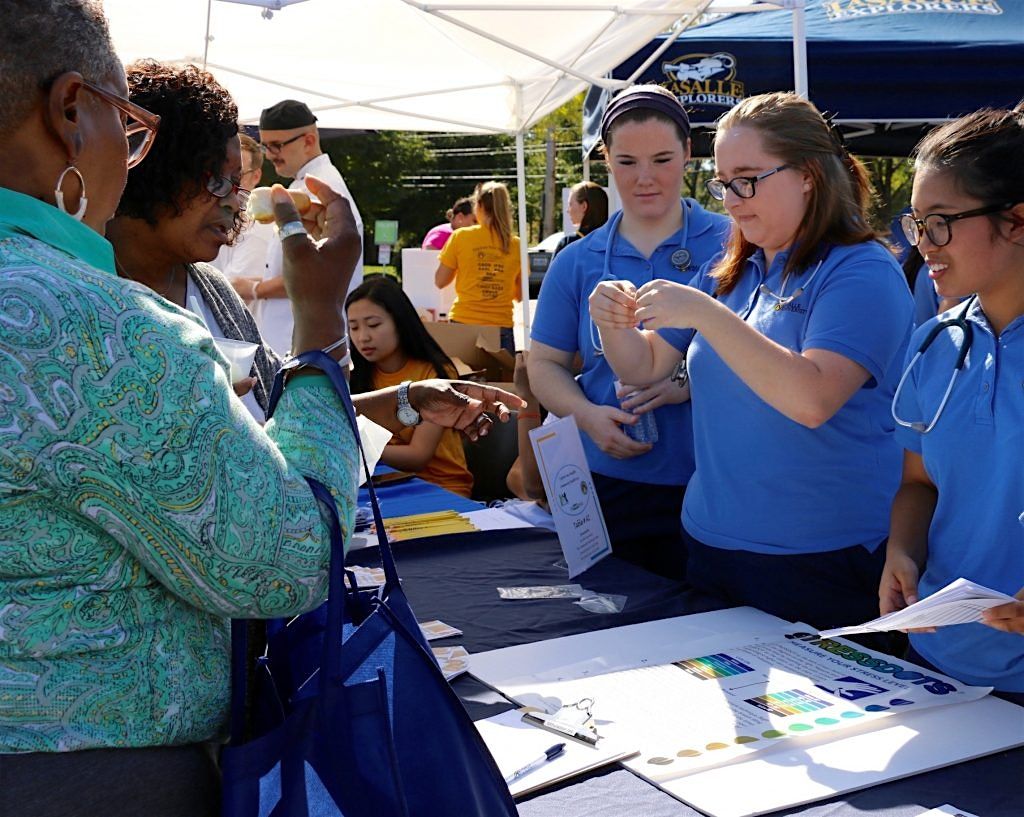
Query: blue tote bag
(350, 713)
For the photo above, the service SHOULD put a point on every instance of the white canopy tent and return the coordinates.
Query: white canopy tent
(469, 66)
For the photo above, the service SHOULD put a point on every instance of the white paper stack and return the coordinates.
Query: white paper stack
(959, 602)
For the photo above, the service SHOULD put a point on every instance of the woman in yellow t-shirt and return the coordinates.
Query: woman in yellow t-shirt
(484, 263)
(389, 346)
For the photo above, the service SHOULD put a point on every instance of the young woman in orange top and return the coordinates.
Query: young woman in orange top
(390, 346)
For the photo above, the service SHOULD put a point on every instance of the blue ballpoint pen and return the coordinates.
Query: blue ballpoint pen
(549, 754)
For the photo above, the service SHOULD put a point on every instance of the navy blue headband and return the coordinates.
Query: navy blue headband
(640, 100)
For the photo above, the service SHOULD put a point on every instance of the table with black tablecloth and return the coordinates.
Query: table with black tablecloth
(454, 578)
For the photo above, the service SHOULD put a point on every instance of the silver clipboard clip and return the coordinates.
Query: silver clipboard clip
(572, 720)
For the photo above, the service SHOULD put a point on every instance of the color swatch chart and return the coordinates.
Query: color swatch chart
(790, 702)
(710, 667)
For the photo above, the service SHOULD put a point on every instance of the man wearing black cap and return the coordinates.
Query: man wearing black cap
(291, 141)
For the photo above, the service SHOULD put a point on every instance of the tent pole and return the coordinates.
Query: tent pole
(206, 40)
(586, 169)
(799, 50)
(524, 256)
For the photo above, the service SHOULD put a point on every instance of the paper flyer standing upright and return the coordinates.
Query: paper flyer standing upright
(571, 495)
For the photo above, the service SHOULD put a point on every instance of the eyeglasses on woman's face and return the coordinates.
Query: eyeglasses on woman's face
(140, 128)
(743, 186)
(222, 187)
(939, 227)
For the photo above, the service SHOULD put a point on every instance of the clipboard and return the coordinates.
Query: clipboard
(512, 742)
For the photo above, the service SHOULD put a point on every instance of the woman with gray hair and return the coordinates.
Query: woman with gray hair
(141, 507)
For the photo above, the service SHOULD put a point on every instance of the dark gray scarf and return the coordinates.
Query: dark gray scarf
(236, 322)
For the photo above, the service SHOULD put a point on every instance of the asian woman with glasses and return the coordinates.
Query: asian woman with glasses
(792, 341)
(958, 509)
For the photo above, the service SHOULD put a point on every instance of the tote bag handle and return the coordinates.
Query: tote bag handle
(331, 655)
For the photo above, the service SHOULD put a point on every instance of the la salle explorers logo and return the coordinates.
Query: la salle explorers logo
(853, 9)
(704, 79)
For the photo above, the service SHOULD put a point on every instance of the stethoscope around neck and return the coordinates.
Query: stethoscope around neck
(960, 322)
(681, 259)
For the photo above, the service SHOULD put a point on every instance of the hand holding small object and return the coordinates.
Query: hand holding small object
(613, 305)
(665, 304)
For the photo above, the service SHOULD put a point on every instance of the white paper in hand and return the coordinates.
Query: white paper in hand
(959, 602)
(373, 438)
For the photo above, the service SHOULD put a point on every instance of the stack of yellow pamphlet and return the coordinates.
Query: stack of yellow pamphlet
(418, 526)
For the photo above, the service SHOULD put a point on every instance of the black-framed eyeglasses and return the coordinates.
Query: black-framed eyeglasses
(140, 128)
(275, 147)
(742, 186)
(222, 187)
(939, 227)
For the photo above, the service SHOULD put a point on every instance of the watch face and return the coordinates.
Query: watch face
(408, 416)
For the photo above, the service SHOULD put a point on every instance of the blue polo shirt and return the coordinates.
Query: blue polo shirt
(563, 322)
(765, 483)
(975, 457)
(926, 300)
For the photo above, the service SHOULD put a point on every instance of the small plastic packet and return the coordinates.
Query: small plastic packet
(594, 602)
(554, 591)
(364, 517)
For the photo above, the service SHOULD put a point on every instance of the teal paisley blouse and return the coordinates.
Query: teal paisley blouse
(140, 505)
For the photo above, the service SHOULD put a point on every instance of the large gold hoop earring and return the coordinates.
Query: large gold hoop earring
(58, 194)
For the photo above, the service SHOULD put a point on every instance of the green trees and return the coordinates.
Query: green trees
(415, 177)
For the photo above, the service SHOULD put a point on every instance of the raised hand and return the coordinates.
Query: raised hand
(613, 305)
(317, 273)
(664, 304)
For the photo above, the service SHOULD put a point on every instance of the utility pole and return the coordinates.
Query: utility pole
(549, 185)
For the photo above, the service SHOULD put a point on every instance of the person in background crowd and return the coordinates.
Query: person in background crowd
(140, 506)
(459, 215)
(524, 479)
(291, 141)
(244, 262)
(657, 235)
(588, 210)
(484, 262)
(184, 205)
(793, 342)
(390, 346)
(957, 513)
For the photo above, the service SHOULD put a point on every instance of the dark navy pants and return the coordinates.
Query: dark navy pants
(643, 524)
(835, 588)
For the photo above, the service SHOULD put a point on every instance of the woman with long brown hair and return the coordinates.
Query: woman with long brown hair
(483, 260)
(792, 342)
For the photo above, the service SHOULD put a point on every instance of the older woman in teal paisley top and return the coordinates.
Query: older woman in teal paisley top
(140, 504)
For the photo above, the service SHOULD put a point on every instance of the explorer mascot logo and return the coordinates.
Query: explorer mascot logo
(704, 79)
(853, 9)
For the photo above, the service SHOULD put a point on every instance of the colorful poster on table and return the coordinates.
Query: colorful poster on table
(729, 702)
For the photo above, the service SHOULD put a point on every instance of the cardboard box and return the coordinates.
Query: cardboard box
(476, 351)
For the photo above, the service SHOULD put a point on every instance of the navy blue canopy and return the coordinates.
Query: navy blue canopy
(887, 68)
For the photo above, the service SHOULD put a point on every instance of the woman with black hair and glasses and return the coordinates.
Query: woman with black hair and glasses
(798, 333)
(959, 511)
(184, 204)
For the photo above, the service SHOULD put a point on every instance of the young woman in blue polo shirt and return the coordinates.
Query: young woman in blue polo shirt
(801, 329)
(646, 137)
(958, 511)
